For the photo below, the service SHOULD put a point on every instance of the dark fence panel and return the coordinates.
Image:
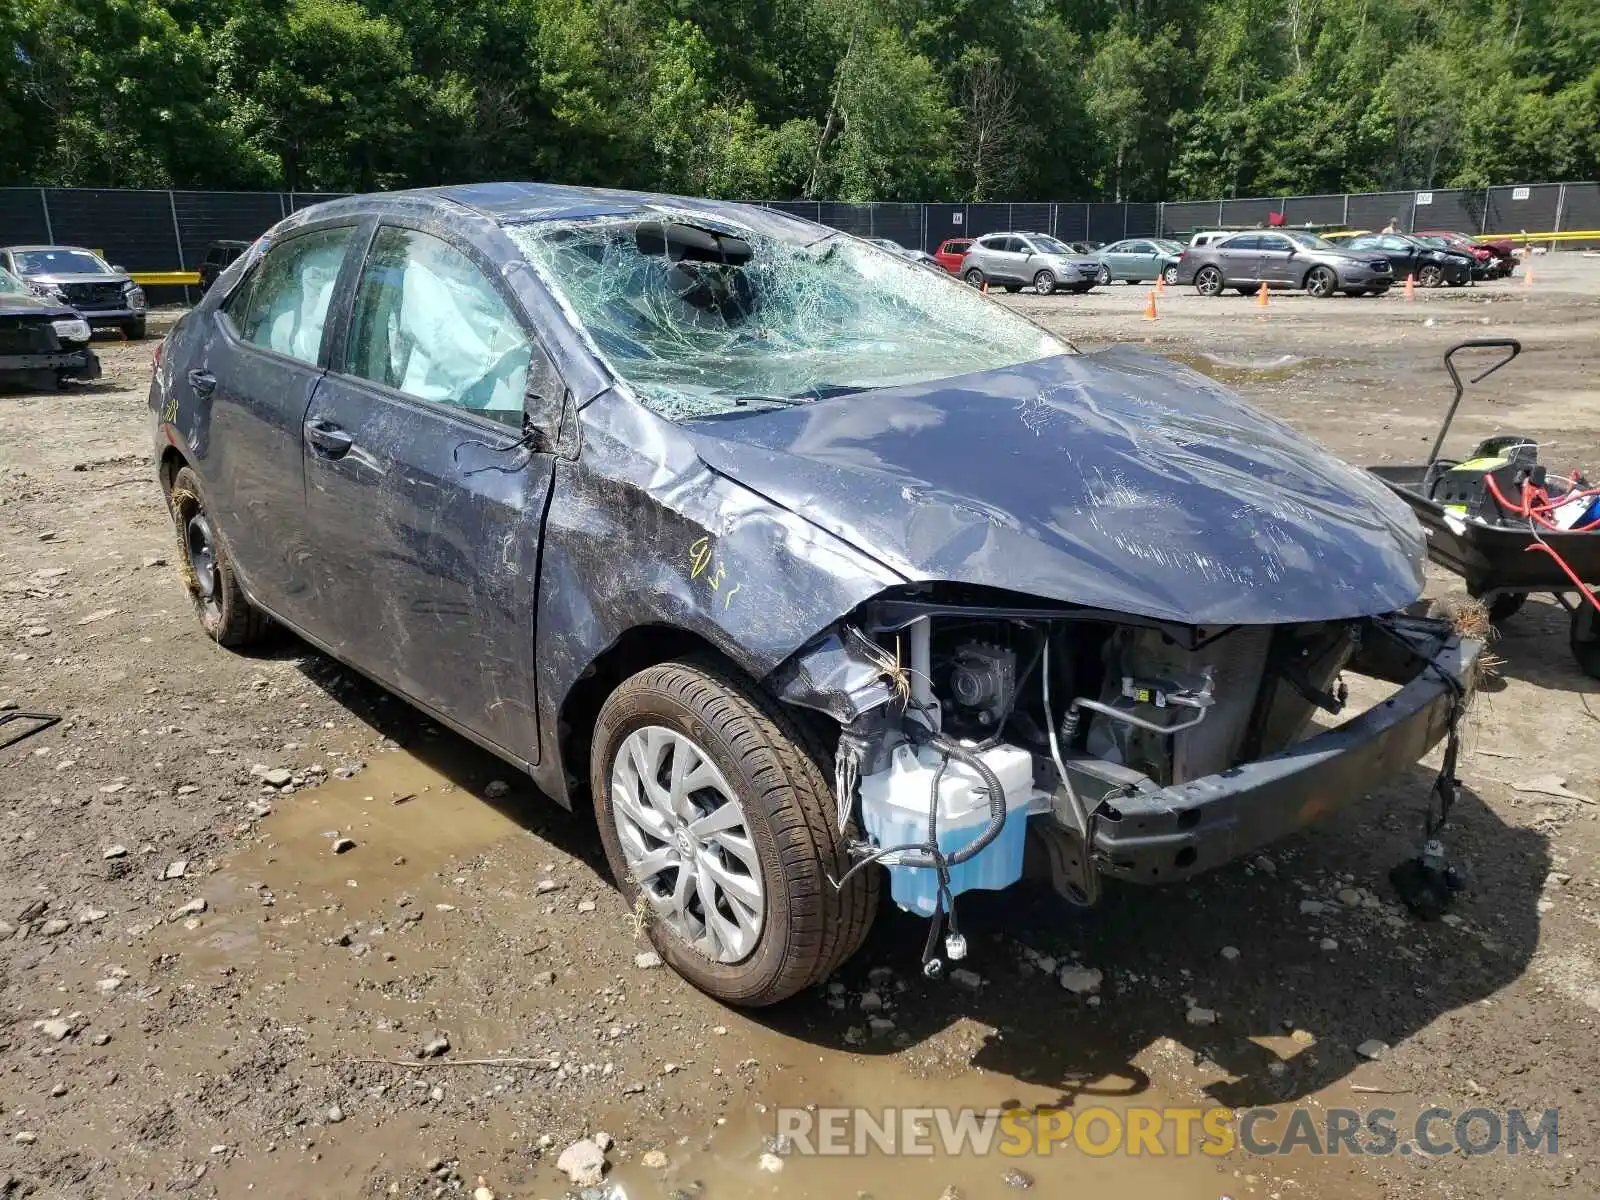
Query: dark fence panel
(22, 217)
(852, 218)
(206, 217)
(808, 210)
(1580, 210)
(1144, 220)
(1186, 216)
(1072, 222)
(1251, 212)
(299, 200)
(988, 218)
(900, 223)
(944, 221)
(1107, 222)
(1448, 211)
(1514, 209)
(1313, 210)
(1031, 218)
(1373, 210)
(132, 229)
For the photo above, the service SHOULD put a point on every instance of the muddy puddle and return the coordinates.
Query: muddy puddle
(450, 913)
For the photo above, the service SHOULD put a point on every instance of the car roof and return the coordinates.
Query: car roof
(83, 249)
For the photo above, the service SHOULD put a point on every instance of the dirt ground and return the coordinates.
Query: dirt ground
(200, 996)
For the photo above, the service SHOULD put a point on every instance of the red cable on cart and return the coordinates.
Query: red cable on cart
(1534, 513)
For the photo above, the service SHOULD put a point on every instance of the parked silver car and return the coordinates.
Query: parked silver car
(1283, 259)
(1015, 260)
(1138, 259)
(103, 294)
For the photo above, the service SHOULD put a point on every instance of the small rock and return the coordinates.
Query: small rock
(59, 1090)
(24, 1137)
(106, 986)
(963, 978)
(586, 906)
(648, 961)
(187, 789)
(871, 1002)
(880, 1026)
(1302, 1037)
(583, 1162)
(219, 1148)
(654, 1160)
(335, 1115)
(482, 1193)
(1200, 1016)
(101, 1039)
(1543, 905)
(1265, 865)
(90, 915)
(1312, 908)
(277, 777)
(192, 909)
(1014, 1178)
(604, 1140)
(32, 910)
(1452, 920)
(343, 845)
(1372, 1048)
(770, 1163)
(1557, 879)
(545, 886)
(496, 789)
(114, 852)
(176, 870)
(1349, 897)
(1081, 981)
(434, 1045)
(1231, 953)
(57, 1029)
(54, 926)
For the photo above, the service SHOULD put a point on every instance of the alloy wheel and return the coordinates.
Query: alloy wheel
(684, 836)
(199, 544)
(1208, 282)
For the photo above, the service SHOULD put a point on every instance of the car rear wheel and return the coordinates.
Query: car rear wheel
(225, 612)
(1103, 277)
(1321, 282)
(716, 814)
(1170, 275)
(974, 277)
(134, 330)
(1430, 276)
(1044, 283)
(1208, 281)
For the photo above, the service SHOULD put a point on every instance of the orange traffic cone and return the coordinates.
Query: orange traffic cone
(1527, 278)
(1161, 285)
(985, 288)
(1411, 287)
(1150, 305)
(1261, 296)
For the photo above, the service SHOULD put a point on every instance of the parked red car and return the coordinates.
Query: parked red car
(950, 253)
(1496, 255)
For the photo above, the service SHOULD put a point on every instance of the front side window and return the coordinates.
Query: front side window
(1275, 243)
(428, 323)
(10, 285)
(703, 317)
(1399, 245)
(1138, 248)
(283, 305)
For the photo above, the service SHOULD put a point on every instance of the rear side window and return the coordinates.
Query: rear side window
(283, 306)
(1247, 242)
(427, 322)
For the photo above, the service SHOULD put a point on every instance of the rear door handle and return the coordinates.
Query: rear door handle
(203, 382)
(329, 440)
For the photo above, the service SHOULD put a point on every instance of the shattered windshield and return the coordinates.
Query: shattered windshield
(59, 262)
(701, 318)
(10, 285)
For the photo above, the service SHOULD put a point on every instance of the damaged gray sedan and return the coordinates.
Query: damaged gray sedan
(813, 571)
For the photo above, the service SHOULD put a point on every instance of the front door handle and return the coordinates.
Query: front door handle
(329, 440)
(203, 382)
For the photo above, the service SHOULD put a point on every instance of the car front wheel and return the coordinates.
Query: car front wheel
(134, 330)
(1103, 277)
(1321, 282)
(974, 277)
(716, 814)
(1044, 283)
(1208, 281)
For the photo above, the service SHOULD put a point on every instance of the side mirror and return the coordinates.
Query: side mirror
(119, 270)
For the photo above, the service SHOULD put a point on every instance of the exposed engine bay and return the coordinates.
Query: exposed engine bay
(1120, 746)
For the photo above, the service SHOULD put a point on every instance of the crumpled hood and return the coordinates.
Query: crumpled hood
(1115, 480)
(58, 278)
(17, 304)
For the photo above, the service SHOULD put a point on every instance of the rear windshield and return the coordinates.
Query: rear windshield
(59, 262)
(701, 319)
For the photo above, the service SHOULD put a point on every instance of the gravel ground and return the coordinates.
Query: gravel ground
(206, 989)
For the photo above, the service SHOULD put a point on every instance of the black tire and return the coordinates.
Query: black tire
(225, 613)
(778, 771)
(1208, 281)
(1585, 638)
(1170, 275)
(1103, 276)
(1321, 282)
(1044, 283)
(974, 277)
(1430, 276)
(134, 330)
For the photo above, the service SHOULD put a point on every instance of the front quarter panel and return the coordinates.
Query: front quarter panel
(641, 533)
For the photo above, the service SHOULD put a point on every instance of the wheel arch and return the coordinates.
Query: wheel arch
(172, 461)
